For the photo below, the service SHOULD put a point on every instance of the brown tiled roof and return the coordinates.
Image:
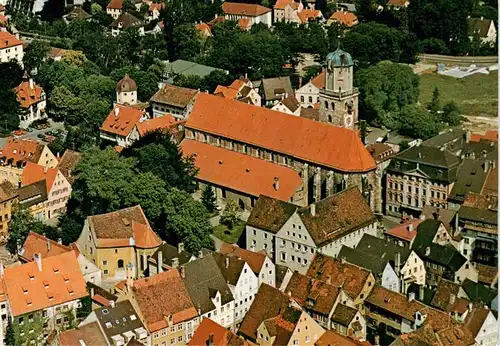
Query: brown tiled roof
(243, 9)
(337, 216)
(332, 338)
(117, 228)
(443, 294)
(163, 295)
(30, 289)
(174, 95)
(475, 319)
(380, 151)
(268, 303)
(456, 335)
(126, 20)
(270, 214)
(307, 140)
(490, 186)
(342, 274)
(310, 113)
(314, 295)
(220, 336)
(402, 231)
(67, 164)
(37, 243)
(21, 150)
(320, 80)
(275, 87)
(239, 172)
(7, 191)
(487, 275)
(343, 314)
(126, 84)
(230, 267)
(115, 4)
(33, 194)
(291, 103)
(226, 92)
(90, 334)
(283, 325)
(254, 259)
(122, 119)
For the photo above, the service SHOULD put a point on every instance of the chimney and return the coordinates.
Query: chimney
(210, 340)
(467, 136)
(469, 307)
(112, 303)
(200, 254)
(482, 18)
(313, 209)
(486, 166)
(227, 262)
(421, 293)
(130, 275)
(48, 244)
(159, 261)
(31, 83)
(59, 241)
(397, 262)
(175, 262)
(411, 296)
(38, 259)
(1, 269)
(452, 298)
(180, 247)
(182, 272)
(117, 111)
(410, 226)
(276, 183)
(45, 169)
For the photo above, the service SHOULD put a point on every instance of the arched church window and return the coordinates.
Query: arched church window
(326, 104)
(333, 106)
(329, 118)
(310, 99)
(302, 98)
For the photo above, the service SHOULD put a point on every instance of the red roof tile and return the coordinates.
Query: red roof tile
(345, 18)
(244, 23)
(8, 40)
(320, 80)
(332, 338)
(226, 92)
(402, 231)
(30, 289)
(28, 95)
(165, 122)
(121, 120)
(240, 172)
(220, 336)
(204, 28)
(22, 150)
(254, 259)
(243, 9)
(490, 135)
(282, 4)
(37, 243)
(33, 173)
(308, 140)
(307, 14)
(115, 5)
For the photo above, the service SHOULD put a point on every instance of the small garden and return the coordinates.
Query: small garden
(231, 226)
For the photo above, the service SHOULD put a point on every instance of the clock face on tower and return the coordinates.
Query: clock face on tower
(348, 120)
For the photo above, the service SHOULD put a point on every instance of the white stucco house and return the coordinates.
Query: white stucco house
(247, 14)
(308, 94)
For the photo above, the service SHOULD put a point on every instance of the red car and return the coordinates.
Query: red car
(19, 132)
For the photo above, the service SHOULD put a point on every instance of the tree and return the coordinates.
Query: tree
(208, 199)
(9, 111)
(435, 106)
(85, 308)
(451, 114)
(230, 215)
(156, 153)
(21, 223)
(74, 58)
(187, 221)
(11, 75)
(417, 122)
(52, 10)
(35, 53)
(9, 339)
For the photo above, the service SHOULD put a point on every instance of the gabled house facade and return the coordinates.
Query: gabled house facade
(308, 94)
(249, 13)
(11, 48)
(32, 100)
(120, 125)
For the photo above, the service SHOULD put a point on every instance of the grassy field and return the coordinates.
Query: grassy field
(227, 235)
(476, 95)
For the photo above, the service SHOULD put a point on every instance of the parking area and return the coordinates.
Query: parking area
(45, 134)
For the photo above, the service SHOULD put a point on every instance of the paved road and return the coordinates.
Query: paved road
(34, 134)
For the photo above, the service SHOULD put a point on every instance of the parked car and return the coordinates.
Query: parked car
(19, 132)
(29, 129)
(41, 136)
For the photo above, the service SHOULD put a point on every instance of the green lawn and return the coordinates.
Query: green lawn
(475, 95)
(227, 235)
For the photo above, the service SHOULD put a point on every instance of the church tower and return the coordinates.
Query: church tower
(126, 91)
(339, 100)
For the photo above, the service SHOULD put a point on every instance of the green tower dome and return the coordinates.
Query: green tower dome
(339, 58)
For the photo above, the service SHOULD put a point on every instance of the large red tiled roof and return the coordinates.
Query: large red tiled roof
(33, 173)
(243, 9)
(121, 120)
(304, 139)
(162, 295)
(226, 92)
(241, 172)
(254, 259)
(21, 150)
(37, 243)
(30, 289)
(282, 4)
(402, 231)
(490, 135)
(307, 14)
(345, 18)
(332, 338)
(8, 40)
(320, 80)
(27, 95)
(220, 336)
(162, 123)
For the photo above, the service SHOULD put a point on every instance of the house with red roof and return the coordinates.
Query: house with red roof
(32, 100)
(57, 186)
(291, 11)
(119, 125)
(344, 18)
(248, 14)
(204, 29)
(114, 8)
(118, 239)
(241, 90)
(304, 160)
(308, 94)
(11, 48)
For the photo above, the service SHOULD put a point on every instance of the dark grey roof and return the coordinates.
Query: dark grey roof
(479, 215)
(444, 215)
(275, 87)
(280, 271)
(479, 26)
(470, 178)
(127, 21)
(452, 139)
(32, 194)
(362, 259)
(203, 279)
(476, 150)
(446, 256)
(170, 252)
(119, 319)
(343, 314)
(426, 231)
(433, 162)
(383, 249)
(93, 288)
(479, 293)
(78, 13)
